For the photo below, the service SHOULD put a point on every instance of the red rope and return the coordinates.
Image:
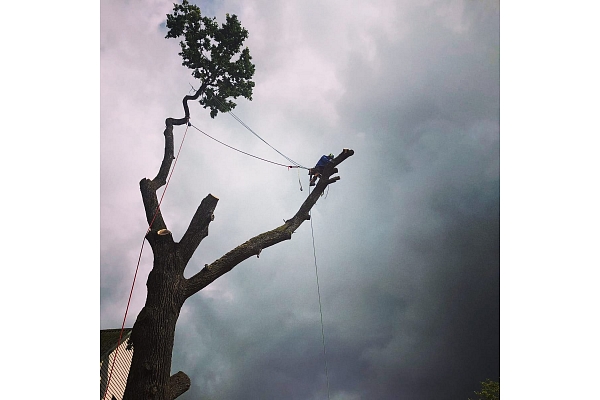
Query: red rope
(138, 262)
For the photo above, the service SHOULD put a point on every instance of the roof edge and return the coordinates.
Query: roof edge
(126, 334)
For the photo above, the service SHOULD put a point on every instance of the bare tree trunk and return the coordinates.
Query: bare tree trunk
(154, 330)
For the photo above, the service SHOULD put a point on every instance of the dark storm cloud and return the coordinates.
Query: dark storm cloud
(407, 241)
(425, 279)
(432, 111)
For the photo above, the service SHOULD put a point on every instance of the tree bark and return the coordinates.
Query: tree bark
(179, 384)
(154, 329)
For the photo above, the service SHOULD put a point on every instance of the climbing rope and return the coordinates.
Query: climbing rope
(243, 152)
(319, 296)
(238, 119)
(139, 259)
(267, 143)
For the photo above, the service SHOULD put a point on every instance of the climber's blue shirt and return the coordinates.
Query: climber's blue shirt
(323, 162)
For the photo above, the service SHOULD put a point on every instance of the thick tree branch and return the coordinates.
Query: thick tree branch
(179, 383)
(254, 246)
(185, 119)
(198, 228)
(149, 187)
(161, 178)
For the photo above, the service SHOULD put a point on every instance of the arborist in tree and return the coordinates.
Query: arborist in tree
(318, 169)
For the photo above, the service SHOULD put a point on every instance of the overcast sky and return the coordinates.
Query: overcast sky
(413, 90)
(407, 242)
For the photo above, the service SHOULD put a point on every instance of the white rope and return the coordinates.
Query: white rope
(319, 295)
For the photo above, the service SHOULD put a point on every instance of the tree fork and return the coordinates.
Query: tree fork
(154, 329)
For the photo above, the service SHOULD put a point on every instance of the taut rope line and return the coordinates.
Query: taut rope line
(243, 152)
(238, 119)
(319, 295)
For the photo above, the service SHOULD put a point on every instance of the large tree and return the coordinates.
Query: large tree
(217, 59)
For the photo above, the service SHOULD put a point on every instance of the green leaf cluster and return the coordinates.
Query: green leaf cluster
(490, 390)
(214, 54)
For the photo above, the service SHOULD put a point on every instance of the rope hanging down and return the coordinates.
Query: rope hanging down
(138, 263)
(319, 295)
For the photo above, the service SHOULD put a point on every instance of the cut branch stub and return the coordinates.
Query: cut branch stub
(179, 383)
(198, 228)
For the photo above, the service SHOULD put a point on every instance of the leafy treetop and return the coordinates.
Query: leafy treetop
(214, 54)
